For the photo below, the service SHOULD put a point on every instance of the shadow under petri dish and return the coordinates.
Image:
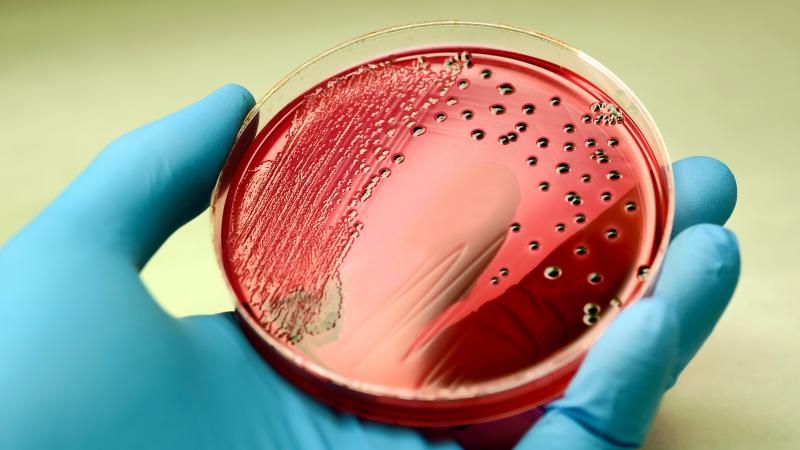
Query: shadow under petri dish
(440, 219)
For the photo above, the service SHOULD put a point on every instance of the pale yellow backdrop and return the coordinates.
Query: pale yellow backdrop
(720, 78)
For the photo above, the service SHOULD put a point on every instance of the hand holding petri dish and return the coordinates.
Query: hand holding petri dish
(430, 225)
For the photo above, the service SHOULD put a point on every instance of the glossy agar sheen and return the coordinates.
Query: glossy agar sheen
(413, 237)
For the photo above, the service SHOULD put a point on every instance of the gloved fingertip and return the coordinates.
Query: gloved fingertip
(652, 322)
(721, 242)
(216, 115)
(236, 95)
(705, 192)
(713, 249)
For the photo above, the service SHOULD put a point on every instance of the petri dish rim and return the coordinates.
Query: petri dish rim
(486, 400)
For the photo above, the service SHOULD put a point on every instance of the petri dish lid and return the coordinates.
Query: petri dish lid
(431, 224)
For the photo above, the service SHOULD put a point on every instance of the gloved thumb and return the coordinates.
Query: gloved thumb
(151, 181)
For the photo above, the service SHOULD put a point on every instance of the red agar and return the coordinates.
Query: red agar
(439, 220)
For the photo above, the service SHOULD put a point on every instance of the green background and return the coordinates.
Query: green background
(719, 78)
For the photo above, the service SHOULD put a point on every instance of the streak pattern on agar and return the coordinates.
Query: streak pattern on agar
(291, 208)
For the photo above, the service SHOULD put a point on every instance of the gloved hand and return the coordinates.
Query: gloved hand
(88, 360)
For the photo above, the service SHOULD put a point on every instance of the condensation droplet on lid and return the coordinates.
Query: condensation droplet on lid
(441, 117)
(504, 139)
(512, 136)
(455, 63)
(463, 84)
(505, 89)
(643, 272)
(612, 233)
(560, 227)
(614, 175)
(613, 142)
(569, 128)
(544, 186)
(562, 168)
(586, 118)
(486, 73)
(542, 142)
(418, 131)
(494, 280)
(452, 101)
(467, 114)
(504, 271)
(581, 250)
(569, 146)
(478, 134)
(358, 226)
(580, 218)
(586, 178)
(615, 302)
(391, 131)
(591, 309)
(605, 196)
(555, 101)
(532, 160)
(528, 108)
(515, 227)
(589, 319)
(497, 109)
(591, 142)
(398, 158)
(381, 153)
(533, 245)
(384, 173)
(552, 272)
(521, 127)
(630, 206)
(595, 278)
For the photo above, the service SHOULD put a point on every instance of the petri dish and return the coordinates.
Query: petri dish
(430, 225)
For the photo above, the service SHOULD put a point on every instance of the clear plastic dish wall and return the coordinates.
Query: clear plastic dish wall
(459, 403)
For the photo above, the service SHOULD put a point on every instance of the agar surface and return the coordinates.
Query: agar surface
(442, 217)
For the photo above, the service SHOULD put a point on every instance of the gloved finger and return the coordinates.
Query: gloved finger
(700, 273)
(705, 192)
(151, 181)
(614, 396)
(616, 393)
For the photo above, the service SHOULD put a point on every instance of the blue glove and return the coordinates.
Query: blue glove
(90, 361)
